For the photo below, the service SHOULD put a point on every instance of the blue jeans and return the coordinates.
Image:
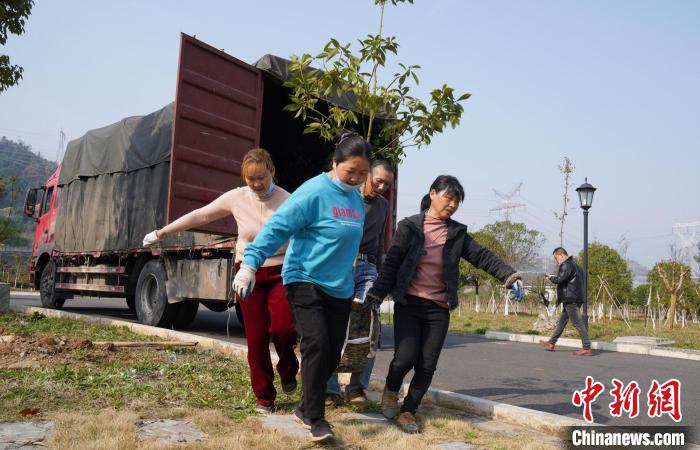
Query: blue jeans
(365, 275)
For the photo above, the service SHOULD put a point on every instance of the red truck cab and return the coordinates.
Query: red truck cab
(41, 203)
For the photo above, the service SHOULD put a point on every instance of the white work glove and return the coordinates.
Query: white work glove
(244, 281)
(150, 239)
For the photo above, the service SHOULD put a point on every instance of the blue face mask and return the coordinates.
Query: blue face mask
(268, 193)
(344, 186)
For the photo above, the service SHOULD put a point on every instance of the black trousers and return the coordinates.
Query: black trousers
(571, 311)
(420, 328)
(321, 322)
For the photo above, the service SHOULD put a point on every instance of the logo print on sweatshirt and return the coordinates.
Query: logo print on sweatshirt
(346, 212)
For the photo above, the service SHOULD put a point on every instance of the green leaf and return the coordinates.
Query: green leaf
(464, 97)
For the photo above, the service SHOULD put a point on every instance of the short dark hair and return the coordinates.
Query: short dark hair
(349, 145)
(560, 251)
(383, 163)
(443, 183)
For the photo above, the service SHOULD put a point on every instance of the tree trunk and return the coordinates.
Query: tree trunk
(672, 310)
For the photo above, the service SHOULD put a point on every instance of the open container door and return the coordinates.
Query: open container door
(218, 110)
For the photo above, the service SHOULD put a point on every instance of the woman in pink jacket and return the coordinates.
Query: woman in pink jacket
(266, 312)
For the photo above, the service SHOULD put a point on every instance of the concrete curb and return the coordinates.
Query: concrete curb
(548, 423)
(636, 349)
(544, 422)
(27, 293)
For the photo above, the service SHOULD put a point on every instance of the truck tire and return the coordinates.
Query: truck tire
(152, 307)
(186, 313)
(239, 314)
(47, 291)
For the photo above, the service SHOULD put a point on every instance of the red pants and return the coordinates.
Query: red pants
(267, 315)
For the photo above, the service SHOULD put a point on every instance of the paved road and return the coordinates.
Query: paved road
(514, 373)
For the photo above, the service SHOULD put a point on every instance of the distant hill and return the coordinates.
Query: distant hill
(31, 170)
(17, 158)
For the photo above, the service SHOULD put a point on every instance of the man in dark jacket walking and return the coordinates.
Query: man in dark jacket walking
(569, 281)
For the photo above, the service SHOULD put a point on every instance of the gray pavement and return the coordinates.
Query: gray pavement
(514, 373)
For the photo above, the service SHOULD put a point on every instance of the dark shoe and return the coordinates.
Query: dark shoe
(390, 403)
(321, 431)
(547, 345)
(584, 352)
(299, 417)
(356, 398)
(407, 423)
(333, 400)
(290, 387)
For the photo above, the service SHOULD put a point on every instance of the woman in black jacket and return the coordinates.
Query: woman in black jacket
(420, 272)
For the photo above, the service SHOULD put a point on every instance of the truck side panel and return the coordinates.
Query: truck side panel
(217, 120)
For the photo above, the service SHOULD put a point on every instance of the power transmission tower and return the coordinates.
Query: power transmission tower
(506, 201)
(687, 238)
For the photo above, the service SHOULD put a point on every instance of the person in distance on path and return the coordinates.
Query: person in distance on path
(569, 281)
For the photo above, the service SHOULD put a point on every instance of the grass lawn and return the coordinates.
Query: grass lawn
(481, 322)
(74, 376)
(95, 395)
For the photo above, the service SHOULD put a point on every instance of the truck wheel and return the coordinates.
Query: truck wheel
(131, 302)
(49, 299)
(152, 307)
(239, 314)
(185, 314)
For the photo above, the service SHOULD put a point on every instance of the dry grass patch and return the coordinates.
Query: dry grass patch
(436, 428)
(116, 430)
(109, 429)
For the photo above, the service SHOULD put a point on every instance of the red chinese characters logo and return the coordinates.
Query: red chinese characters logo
(587, 396)
(665, 399)
(625, 399)
(662, 398)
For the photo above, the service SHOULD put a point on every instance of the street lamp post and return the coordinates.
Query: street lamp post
(585, 197)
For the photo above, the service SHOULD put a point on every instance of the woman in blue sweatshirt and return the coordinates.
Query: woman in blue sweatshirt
(323, 221)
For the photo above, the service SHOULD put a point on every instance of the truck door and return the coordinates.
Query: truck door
(218, 111)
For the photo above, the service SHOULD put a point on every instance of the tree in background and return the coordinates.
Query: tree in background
(10, 230)
(13, 16)
(520, 244)
(470, 275)
(606, 263)
(566, 168)
(355, 77)
(640, 295)
(672, 278)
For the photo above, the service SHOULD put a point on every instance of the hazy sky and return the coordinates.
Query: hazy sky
(612, 85)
